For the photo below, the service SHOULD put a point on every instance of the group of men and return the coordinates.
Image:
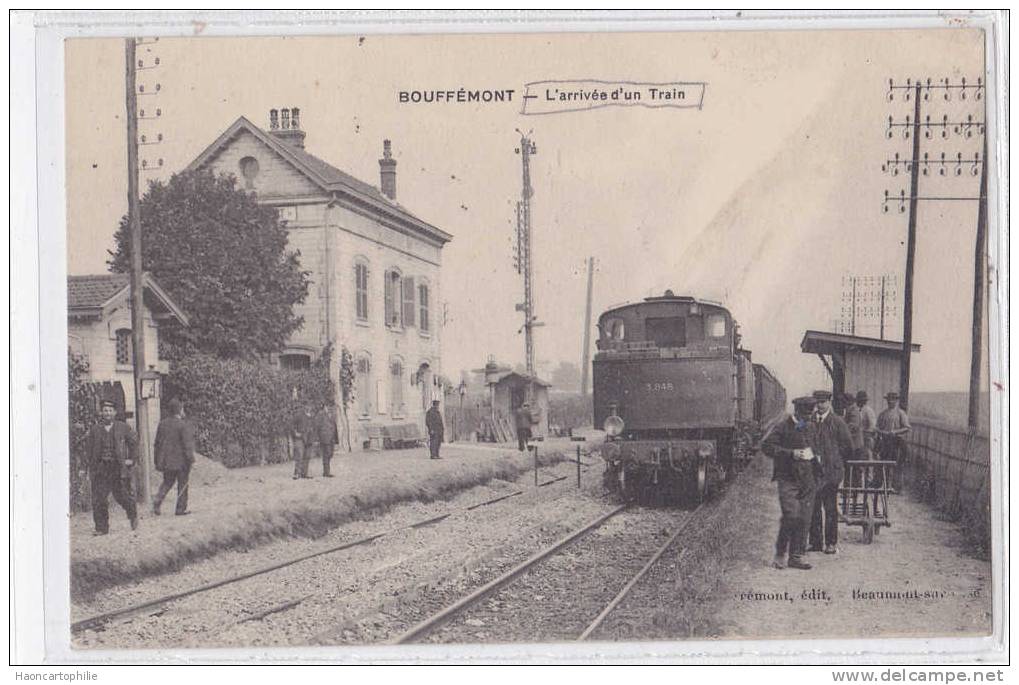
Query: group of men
(112, 452)
(809, 449)
(313, 434)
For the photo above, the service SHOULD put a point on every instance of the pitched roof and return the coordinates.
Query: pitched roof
(822, 342)
(94, 290)
(92, 293)
(325, 176)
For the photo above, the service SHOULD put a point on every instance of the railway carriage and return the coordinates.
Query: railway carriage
(680, 400)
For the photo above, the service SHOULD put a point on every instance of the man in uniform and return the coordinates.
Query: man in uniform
(834, 446)
(868, 424)
(328, 435)
(304, 433)
(789, 445)
(892, 425)
(175, 454)
(524, 421)
(112, 453)
(436, 429)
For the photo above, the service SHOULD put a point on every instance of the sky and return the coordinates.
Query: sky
(762, 199)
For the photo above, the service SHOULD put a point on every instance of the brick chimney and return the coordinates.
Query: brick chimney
(387, 171)
(285, 124)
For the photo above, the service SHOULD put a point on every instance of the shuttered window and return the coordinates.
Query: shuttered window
(424, 321)
(364, 385)
(123, 346)
(408, 301)
(394, 293)
(396, 387)
(361, 291)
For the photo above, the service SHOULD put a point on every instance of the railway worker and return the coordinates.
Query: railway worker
(112, 454)
(789, 445)
(524, 420)
(892, 425)
(328, 435)
(868, 424)
(304, 436)
(174, 457)
(436, 429)
(834, 446)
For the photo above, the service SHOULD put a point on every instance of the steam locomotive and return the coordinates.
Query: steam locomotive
(680, 400)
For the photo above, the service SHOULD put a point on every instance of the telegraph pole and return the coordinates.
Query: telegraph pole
(524, 266)
(907, 305)
(585, 369)
(137, 286)
(979, 272)
(964, 129)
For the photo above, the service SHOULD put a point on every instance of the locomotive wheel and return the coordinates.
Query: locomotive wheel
(699, 483)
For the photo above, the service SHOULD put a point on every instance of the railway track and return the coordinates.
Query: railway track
(159, 605)
(539, 600)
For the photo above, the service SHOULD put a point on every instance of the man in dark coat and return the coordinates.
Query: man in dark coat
(524, 419)
(436, 429)
(328, 436)
(305, 437)
(112, 454)
(833, 445)
(175, 454)
(790, 445)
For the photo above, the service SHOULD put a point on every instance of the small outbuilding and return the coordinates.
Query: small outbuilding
(507, 392)
(856, 363)
(99, 330)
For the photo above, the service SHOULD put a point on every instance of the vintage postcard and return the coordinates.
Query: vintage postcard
(599, 338)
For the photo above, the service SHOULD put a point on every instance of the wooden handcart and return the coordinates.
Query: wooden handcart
(863, 497)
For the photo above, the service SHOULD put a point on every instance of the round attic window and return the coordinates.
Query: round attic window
(249, 170)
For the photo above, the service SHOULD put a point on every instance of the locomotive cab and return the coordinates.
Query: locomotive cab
(670, 390)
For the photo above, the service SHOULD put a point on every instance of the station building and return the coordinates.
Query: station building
(375, 270)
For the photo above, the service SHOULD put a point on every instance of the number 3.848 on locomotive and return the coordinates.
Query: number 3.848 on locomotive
(680, 401)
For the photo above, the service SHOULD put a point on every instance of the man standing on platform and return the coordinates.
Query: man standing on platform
(328, 436)
(524, 421)
(868, 424)
(304, 434)
(112, 454)
(175, 454)
(892, 425)
(854, 421)
(833, 446)
(789, 445)
(436, 429)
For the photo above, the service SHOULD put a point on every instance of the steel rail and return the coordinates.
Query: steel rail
(610, 607)
(448, 612)
(106, 617)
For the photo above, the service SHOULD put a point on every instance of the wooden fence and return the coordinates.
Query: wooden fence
(949, 467)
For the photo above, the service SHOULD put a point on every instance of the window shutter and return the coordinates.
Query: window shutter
(423, 319)
(408, 301)
(390, 309)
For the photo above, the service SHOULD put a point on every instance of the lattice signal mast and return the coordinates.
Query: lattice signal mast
(522, 257)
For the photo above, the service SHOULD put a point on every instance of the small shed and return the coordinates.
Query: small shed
(856, 363)
(508, 390)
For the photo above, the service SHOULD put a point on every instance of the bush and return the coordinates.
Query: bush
(242, 410)
(82, 415)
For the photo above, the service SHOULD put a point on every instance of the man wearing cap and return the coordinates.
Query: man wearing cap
(174, 457)
(112, 454)
(834, 446)
(524, 421)
(789, 445)
(436, 429)
(868, 424)
(892, 425)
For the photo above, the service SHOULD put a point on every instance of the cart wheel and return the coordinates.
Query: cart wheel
(868, 533)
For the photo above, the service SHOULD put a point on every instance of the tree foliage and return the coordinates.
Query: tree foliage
(223, 258)
(242, 410)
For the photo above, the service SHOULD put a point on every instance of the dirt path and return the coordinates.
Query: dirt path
(930, 586)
